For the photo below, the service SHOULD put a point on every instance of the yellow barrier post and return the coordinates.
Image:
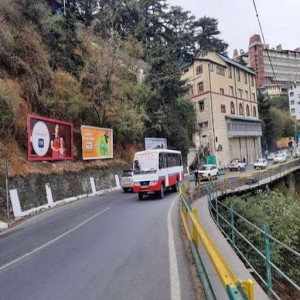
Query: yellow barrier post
(226, 176)
(195, 234)
(248, 287)
(189, 187)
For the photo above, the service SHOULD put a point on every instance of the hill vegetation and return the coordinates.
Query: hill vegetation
(83, 66)
(277, 121)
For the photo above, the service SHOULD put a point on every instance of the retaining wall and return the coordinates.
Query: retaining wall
(32, 190)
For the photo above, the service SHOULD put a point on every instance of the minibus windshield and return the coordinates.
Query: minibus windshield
(145, 163)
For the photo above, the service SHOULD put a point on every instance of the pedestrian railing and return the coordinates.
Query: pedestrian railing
(227, 219)
(235, 287)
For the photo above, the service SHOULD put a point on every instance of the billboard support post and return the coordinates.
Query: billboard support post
(7, 197)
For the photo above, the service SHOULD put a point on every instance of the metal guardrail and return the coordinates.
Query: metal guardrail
(236, 288)
(225, 186)
(233, 181)
(269, 240)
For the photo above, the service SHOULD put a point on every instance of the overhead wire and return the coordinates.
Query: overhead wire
(267, 50)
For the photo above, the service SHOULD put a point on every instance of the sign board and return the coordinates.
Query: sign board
(97, 143)
(49, 139)
(286, 142)
(210, 160)
(155, 143)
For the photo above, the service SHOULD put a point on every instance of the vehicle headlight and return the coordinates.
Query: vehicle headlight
(136, 183)
(153, 182)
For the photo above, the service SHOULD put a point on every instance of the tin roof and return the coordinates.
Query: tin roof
(236, 64)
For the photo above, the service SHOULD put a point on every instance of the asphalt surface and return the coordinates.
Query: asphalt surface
(104, 247)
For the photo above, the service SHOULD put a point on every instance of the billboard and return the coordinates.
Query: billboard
(155, 143)
(286, 142)
(97, 143)
(49, 139)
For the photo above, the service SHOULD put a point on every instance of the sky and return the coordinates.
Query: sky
(237, 20)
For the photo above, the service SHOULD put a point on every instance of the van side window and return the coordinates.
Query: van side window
(161, 161)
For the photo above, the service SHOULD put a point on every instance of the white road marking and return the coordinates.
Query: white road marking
(54, 240)
(174, 275)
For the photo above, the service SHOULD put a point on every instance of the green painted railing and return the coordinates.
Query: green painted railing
(215, 207)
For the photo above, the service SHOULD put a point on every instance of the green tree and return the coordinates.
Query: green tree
(264, 105)
(206, 36)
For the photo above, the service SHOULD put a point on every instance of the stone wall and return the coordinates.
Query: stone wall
(32, 189)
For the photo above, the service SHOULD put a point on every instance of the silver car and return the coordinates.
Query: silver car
(127, 180)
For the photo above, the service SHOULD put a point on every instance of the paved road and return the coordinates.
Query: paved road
(103, 247)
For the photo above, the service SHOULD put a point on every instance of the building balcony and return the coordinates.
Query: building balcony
(243, 127)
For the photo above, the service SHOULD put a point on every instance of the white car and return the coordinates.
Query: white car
(236, 165)
(280, 158)
(208, 172)
(261, 163)
(271, 156)
(296, 153)
(126, 181)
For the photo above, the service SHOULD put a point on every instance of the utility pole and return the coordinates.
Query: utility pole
(7, 198)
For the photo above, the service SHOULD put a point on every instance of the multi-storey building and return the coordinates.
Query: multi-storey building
(294, 101)
(224, 95)
(285, 63)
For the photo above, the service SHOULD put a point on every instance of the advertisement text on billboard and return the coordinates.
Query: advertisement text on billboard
(155, 143)
(97, 143)
(49, 139)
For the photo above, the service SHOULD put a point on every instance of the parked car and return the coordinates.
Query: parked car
(208, 172)
(127, 180)
(279, 158)
(261, 163)
(236, 165)
(296, 153)
(271, 156)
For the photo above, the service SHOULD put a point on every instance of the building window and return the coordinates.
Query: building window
(190, 90)
(201, 105)
(199, 70)
(254, 111)
(245, 78)
(223, 108)
(229, 72)
(200, 87)
(222, 91)
(293, 110)
(241, 110)
(238, 75)
(240, 93)
(211, 67)
(232, 108)
(220, 70)
(186, 70)
(203, 125)
(253, 96)
(246, 95)
(252, 80)
(230, 90)
(291, 94)
(292, 102)
(247, 111)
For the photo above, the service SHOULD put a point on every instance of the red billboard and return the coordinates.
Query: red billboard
(49, 139)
